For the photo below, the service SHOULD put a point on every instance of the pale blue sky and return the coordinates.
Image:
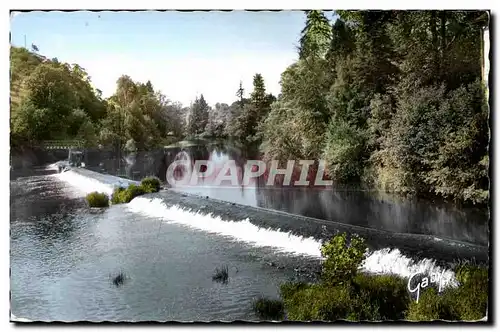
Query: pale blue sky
(182, 53)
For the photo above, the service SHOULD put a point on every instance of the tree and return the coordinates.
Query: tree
(217, 120)
(240, 93)
(198, 117)
(381, 104)
(49, 87)
(316, 35)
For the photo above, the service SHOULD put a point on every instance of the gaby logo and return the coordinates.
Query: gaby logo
(229, 172)
(434, 278)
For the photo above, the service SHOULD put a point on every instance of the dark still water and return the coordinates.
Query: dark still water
(354, 207)
(64, 254)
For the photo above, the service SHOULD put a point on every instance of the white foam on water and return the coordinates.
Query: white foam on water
(242, 230)
(85, 184)
(392, 261)
(53, 167)
(384, 261)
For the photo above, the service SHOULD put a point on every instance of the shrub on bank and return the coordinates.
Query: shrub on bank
(343, 257)
(345, 293)
(268, 309)
(365, 297)
(387, 295)
(96, 199)
(151, 184)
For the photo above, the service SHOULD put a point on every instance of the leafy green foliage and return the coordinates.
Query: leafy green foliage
(131, 192)
(395, 102)
(342, 258)
(53, 100)
(386, 296)
(198, 117)
(125, 195)
(316, 35)
(468, 302)
(116, 197)
(150, 184)
(344, 293)
(372, 298)
(96, 199)
(246, 116)
(344, 150)
(437, 142)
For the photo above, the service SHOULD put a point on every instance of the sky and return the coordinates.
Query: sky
(183, 54)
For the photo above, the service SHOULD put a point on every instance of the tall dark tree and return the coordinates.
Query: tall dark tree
(198, 116)
(240, 93)
(316, 35)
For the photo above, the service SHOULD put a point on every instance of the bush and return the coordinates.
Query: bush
(130, 193)
(96, 199)
(471, 298)
(116, 196)
(342, 258)
(432, 306)
(346, 294)
(151, 184)
(268, 309)
(122, 195)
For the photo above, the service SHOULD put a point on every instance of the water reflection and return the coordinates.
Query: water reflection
(361, 208)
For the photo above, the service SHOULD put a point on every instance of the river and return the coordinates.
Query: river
(64, 255)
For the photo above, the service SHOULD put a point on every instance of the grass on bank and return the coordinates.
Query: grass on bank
(149, 184)
(97, 199)
(346, 294)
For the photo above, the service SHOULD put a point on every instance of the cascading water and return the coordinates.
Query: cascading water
(385, 261)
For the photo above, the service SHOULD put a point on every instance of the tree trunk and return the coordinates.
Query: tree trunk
(442, 16)
(435, 47)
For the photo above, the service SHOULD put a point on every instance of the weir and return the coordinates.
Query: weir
(413, 245)
(182, 205)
